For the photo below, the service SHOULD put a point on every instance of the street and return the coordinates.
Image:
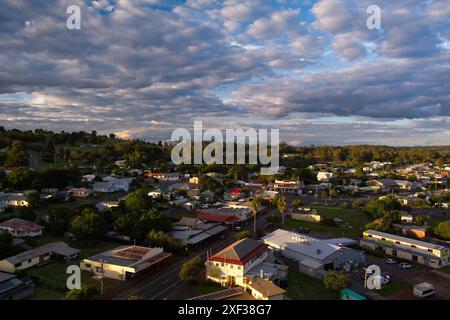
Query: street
(161, 287)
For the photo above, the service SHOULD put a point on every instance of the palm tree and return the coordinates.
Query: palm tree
(254, 205)
(281, 206)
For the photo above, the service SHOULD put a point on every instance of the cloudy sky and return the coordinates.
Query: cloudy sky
(141, 68)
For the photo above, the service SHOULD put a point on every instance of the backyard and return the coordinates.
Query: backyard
(53, 276)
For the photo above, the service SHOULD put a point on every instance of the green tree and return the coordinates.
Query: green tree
(137, 201)
(151, 220)
(296, 203)
(21, 178)
(191, 270)
(281, 206)
(27, 213)
(125, 223)
(16, 155)
(162, 239)
(419, 220)
(58, 220)
(443, 230)
(6, 241)
(336, 280)
(85, 293)
(33, 199)
(89, 224)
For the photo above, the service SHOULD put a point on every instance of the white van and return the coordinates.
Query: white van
(424, 290)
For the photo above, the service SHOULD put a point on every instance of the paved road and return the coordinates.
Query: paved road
(161, 288)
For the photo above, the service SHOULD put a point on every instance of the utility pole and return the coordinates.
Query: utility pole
(101, 279)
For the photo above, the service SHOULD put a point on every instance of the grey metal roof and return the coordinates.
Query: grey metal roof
(403, 239)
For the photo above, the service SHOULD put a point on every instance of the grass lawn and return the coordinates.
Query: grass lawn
(53, 281)
(392, 288)
(446, 269)
(353, 217)
(206, 288)
(303, 287)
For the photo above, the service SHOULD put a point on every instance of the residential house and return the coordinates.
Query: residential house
(13, 200)
(80, 192)
(192, 231)
(239, 263)
(38, 256)
(324, 176)
(194, 180)
(88, 178)
(13, 288)
(21, 228)
(411, 230)
(306, 214)
(288, 186)
(168, 176)
(262, 289)
(207, 196)
(406, 217)
(107, 205)
(124, 262)
(315, 256)
(430, 254)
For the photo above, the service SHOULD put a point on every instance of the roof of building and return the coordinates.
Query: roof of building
(403, 239)
(265, 287)
(305, 245)
(135, 257)
(21, 225)
(240, 252)
(217, 217)
(59, 248)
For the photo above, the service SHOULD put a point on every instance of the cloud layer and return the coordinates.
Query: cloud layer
(144, 67)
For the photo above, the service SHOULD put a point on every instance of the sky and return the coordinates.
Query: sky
(143, 68)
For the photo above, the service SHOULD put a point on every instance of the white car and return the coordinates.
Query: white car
(405, 265)
(391, 261)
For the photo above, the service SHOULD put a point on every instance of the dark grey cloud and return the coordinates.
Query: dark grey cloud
(145, 67)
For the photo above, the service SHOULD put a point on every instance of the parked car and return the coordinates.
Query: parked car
(303, 230)
(387, 275)
(237, 228)
(405, 265)
(424, 290)
(391, 261)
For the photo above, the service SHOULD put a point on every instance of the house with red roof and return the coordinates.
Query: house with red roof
(21, 228)
(217, 217)
(238, 263)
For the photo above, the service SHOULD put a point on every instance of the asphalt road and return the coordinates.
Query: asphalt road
(161, 288)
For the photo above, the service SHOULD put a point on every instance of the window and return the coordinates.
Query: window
(430, 250)
(413, 246)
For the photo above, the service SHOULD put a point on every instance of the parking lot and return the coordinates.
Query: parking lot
(402, 282)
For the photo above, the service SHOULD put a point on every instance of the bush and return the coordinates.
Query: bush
(443, 230)
(336, 280)
(242, 235)
(191, 270)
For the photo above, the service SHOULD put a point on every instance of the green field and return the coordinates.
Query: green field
(356, 219)
(394, 287)
(303, 287)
